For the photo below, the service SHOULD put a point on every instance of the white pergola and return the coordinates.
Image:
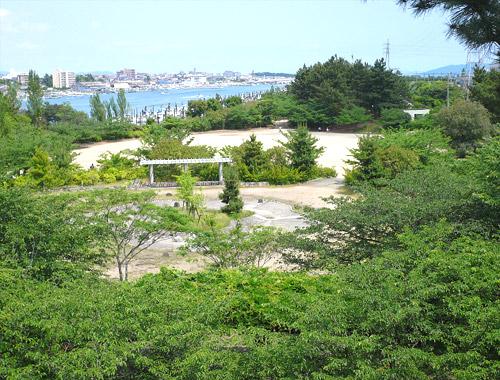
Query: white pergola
(185, 162)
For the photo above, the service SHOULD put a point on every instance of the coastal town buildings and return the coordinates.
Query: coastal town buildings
(125, 74)
(22, 79)
(63, 79)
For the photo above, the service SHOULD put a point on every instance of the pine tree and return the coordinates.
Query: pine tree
(252, 154)
(301, 149)
(231, 193)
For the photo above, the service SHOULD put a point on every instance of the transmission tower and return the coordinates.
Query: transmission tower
(474, 57)
(387, 53)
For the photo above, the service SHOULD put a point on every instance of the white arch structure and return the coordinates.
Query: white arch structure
(185, 162)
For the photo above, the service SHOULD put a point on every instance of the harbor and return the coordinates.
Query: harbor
(160, 103)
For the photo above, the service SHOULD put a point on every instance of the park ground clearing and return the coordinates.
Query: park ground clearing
(336, 145)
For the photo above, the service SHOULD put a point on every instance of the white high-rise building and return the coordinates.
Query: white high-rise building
(125, 74)
(63, 79)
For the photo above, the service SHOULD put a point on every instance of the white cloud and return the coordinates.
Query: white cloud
(4, 12)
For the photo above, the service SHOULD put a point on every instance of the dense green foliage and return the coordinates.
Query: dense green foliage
(328, 88)
(235, 247)
(47, 235)
(301, 149)
(433, 93)
(486, 90)
(426, 310)
(467, 124)
(381, 157)
(397, 281)
(463, 192)
(35, 101)
(294, 161)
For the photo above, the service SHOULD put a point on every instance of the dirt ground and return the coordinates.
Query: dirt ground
(336, 145)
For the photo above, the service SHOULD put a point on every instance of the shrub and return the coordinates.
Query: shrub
(282, 175)
(352, 115)
(393, 152)
(394, 118)
(322, 172)
(467, 124)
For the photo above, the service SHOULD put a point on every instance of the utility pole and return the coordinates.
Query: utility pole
(469, 73)
(387, 53)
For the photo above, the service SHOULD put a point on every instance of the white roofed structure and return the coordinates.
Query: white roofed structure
(185, 162)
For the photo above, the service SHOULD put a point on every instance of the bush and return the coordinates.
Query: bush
(426, 310)
(281, 175)
(394, 118)
(384, 156)
(322, 172)
(467, 124)
(85, 177)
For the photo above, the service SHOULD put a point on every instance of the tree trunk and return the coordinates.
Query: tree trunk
(126, 270)
(119, 265)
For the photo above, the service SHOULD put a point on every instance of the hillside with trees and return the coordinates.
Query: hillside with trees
(398, 278)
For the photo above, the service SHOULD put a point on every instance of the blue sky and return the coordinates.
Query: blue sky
(169, 36)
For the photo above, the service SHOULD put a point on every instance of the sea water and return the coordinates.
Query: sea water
(161, 98)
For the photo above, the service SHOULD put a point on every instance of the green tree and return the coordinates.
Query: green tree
(394, 118)
(326, 89)
(97, 108)
(47, 235)
(486, 90)
(13, 102)
(357, 229)
(85, 78)
(9, 107)
(232, 101)
(42, 171)
(35, 99)
(131, 223)
(111, 109)
(231, 193)
(192, 202)
(301, 149)
(352, 115)
(47, 80)
(236, 247)
(64, 113)
(383, 89)
(122, 104)
(434, 93)
(484, 165)
(252, 156)
(380, 157)
(466, 123)
(196, 108)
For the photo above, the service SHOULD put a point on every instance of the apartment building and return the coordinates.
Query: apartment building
(63, 79)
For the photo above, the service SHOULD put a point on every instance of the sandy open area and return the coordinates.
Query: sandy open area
(271, 205)
(336, 145)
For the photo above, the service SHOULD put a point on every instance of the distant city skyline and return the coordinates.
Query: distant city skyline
(214, 36)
